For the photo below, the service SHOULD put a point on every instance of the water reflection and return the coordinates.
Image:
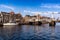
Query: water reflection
(52, 35)
(43, 32)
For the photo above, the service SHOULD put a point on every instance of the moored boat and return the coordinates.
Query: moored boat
(52, 23)
(38, 22)
(10, 23)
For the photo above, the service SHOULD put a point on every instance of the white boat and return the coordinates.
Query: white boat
(10, 23)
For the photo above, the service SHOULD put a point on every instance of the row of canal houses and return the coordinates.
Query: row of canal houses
(5, 17)
(17, 17)
(36, 18)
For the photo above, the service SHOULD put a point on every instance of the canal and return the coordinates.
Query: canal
(31, 32)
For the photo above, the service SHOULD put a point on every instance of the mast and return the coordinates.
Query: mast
(52, 16)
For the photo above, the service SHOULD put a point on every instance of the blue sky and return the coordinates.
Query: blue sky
(31, 7)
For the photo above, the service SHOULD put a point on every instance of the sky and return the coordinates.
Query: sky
(31, 7)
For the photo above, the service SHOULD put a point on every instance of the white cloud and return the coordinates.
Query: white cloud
(26, 11)
(36, 12)
(50, 6)
(32, 12)
(52, 12)
(8, 7)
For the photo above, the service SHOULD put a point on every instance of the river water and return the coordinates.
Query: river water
(30, 32)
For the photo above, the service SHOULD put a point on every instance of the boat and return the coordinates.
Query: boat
(10, 23)
(38, 22)
(52, 23)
